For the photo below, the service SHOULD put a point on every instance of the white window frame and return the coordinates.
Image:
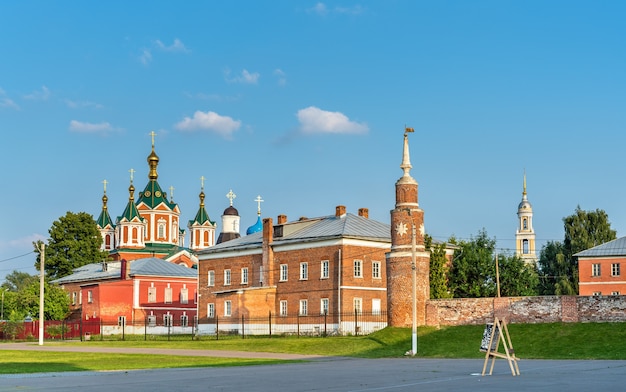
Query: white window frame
(324, 303)
(376, 304)
(89, 296)
(357, 305)
(304, 305)
(615, 269)
(304, 270)
(152, 294)
(184, 295)
(228, 308)
(283, 308)
(596, 269)
(167, 319)
(168, 295)
(210, 310)
(358, 268)
(244, 275)
(615, 293)
(284, 273)
(184, 320)
(325, 269)
(376, 270)
(152, 320)
(211, 278)
(227, 277)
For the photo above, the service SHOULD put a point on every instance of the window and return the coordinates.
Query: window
(227, 277)
(151, 320)
(615, 269)
(244, 276)
(376, 269)
(152, 294)
(597, 293)
(121, 321)
(74, 297)
(283, 272)
(168, 294)
(184, 295)
(525, 223)
(184, 320)
(325, 273)
(375, 306)
(615, 293)
(358, 305)
(525, 248)
(283, 308)
(89, 296)
(161, 228)
(358, 271)
(210, 311)
(228, 311)
(211, 278)
(304, 271)
(167, 320)
(303, 307)
(595, 269)
(324, 306)
(80, 297)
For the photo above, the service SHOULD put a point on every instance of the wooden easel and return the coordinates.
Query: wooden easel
(493, 335)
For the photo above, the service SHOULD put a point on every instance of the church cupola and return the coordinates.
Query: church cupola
(105, 224)
(130, 229)
(258, 226)
(230, 221)
(202, 229)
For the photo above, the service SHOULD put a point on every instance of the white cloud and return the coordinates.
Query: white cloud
(8, 103)
(23, 242)
(322, 10)
(282, 76)
(85, 127)
(145, 57)
(42, 95)
(314, 120)
(209, 121)
(245, 77)
(82, 104)
(177, 46)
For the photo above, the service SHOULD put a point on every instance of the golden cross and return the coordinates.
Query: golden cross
(258, 202)
(105, 182)
(131, 171)
(230, 195)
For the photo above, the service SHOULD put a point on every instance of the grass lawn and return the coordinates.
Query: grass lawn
(531, 341)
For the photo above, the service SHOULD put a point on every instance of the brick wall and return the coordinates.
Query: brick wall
(546, 309)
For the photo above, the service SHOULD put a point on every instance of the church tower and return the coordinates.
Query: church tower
(131, 227)
(201, 228)
(105, 224)
(408, 252)
(230, 221)
(525, 234)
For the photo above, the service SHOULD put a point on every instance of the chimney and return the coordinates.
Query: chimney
(340, 211)
(364, 212)
(268, 253)
(125, 268)
(282, 219)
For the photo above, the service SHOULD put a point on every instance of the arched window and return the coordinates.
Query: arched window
(525, 223)
(525, 247)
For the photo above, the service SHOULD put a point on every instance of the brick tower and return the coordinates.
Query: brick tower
(407, 222)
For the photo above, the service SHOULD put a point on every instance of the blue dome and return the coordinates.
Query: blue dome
(258, 226)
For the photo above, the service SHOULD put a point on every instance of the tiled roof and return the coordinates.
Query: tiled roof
(143, 267)
(328, 227)
(612, 248)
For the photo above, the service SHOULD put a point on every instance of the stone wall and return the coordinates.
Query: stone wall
(545, 309)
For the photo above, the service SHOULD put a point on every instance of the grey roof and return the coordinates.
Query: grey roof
(612, 248)
(314, 229)
(151, 266)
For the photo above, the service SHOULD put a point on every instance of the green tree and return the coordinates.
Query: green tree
(439, 267)
(74, 242)
(17, 280)
(557, 264)
(517, 278)
(56, 301)
(473, 268)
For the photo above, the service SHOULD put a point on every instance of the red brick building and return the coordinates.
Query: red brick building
(600, 271)
(139, 292)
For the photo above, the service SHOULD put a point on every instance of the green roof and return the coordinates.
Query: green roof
(153, 195)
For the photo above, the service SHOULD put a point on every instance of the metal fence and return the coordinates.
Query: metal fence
(357, 323)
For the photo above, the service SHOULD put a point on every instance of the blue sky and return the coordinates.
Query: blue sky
(305, 104)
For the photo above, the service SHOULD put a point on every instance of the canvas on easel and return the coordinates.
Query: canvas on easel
(492, 336)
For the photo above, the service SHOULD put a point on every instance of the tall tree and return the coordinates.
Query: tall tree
(439, 266)
(56, 301)
(473, 268)
(517, 278)
(552, 267)
(74, 242)
(17, 280)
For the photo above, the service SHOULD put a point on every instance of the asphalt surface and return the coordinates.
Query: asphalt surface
(330, 374)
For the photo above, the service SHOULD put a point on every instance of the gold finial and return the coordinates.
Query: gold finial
(132, 172)
(105, 182)
(153, 134)
(524, 192)
(230, 195)
(202, 182)
(258, 202)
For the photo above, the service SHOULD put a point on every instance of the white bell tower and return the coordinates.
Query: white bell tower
(525, 234)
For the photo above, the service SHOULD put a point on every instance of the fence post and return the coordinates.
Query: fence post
(298, 318)
(243, 327)
(356, 327)
(325, 323)
(217, 327)
(270, 322)
(145, 328)
(169, 327)
(123, 329)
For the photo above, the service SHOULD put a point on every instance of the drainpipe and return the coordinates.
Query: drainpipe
(339, 291)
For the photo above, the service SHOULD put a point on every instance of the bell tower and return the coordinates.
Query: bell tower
(525, 234)
(408, 253)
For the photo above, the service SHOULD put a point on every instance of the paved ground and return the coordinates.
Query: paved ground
(337, 374)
